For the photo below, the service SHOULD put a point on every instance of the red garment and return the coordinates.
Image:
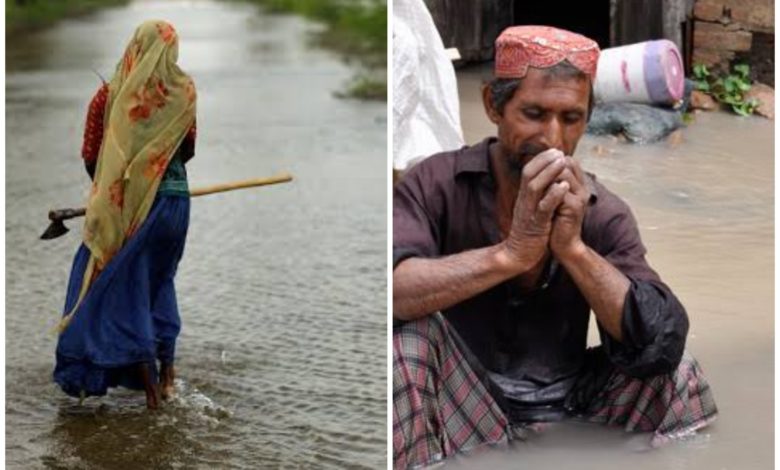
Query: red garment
(93, 130)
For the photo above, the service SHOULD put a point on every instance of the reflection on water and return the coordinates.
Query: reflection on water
(282, 289)
(705, 209)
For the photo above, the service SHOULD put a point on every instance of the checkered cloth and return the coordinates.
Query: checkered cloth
(440, 405)
(670, 405)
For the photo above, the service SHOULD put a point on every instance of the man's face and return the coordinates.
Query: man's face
(545, 112)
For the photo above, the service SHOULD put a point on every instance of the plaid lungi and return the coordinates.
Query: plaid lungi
(441, 406)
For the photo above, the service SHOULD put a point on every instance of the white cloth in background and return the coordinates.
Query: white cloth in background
(426, 110)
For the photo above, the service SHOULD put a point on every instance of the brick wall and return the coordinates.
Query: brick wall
(735, 30)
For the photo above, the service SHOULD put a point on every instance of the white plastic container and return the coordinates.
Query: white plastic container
(646, 72)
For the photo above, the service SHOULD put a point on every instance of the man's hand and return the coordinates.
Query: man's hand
(422, 286)
(565, 239)
(541, 192)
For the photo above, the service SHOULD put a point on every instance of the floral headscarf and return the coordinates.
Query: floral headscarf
(151, 105)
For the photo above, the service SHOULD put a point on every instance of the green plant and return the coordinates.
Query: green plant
(366, 88)
(355, 28)
(727, 88)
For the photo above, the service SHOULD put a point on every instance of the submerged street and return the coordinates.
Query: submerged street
(282, 289)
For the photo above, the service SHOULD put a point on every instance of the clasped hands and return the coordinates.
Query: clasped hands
(548, 212)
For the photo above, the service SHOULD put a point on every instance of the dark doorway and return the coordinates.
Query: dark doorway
(760, 58)
(589, 18)
(637, 21)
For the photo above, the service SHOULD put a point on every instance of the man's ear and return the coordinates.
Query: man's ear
(487, 102)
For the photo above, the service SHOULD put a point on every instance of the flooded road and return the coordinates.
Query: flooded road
(282, 290)
(705, 210)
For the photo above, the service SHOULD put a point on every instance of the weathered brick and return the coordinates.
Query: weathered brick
(754, 16)
(707, 58)
(700, 100)
(728, 40)
(735, 27)
(766, 99)
(712, 58)
(709, 27)
(707, 11)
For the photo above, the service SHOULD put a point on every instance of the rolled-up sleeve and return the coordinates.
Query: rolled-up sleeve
(654, 323)
(415, 228)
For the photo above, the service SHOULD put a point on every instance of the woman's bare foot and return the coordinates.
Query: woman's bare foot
(150, 387)
(167, 374)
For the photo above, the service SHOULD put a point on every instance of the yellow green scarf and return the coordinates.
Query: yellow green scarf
(151, 105)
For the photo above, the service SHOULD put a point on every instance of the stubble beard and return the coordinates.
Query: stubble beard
(525, 153)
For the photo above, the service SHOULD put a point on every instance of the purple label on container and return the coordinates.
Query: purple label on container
(655, 75)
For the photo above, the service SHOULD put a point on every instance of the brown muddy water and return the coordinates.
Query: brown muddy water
(705, 206)
(282, 290)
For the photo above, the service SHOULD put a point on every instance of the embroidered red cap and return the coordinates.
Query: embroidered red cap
(519, 47)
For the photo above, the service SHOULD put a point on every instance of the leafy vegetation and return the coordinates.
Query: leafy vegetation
(21, 15)
(366, 88)
(355, 28)
(727, 88)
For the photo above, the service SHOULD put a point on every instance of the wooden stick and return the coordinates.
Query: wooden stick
(65, 214)
(219, 188)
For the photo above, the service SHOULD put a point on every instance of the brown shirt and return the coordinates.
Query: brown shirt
(533, 344)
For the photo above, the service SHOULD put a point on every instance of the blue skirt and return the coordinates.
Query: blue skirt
(129, 315)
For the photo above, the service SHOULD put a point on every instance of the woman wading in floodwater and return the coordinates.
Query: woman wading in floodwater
(120, 313)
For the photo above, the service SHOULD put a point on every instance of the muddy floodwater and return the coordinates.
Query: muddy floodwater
(282, 290)
(704, 201)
